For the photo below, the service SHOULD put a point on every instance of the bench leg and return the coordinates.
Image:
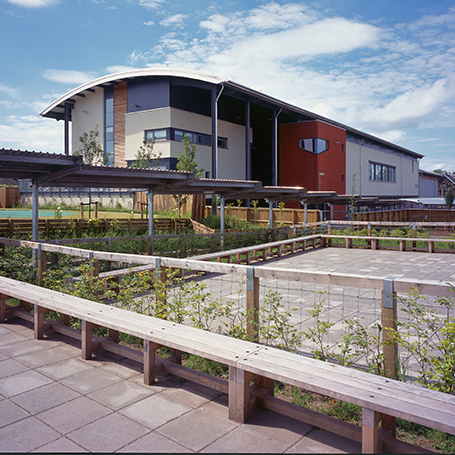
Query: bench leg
(38, 322)
(113, 335)
(87, 341)
(239, 394)
(370, 424)
(2, 307)
(176, 355)
(149, 362)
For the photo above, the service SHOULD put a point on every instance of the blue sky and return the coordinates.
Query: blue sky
(386, 67)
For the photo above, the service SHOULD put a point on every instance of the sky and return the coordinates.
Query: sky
(385, 67)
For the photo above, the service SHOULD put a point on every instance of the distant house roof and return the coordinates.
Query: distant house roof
(230, 88)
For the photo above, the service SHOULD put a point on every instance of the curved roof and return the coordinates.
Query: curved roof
(118, 77)
(56, 109)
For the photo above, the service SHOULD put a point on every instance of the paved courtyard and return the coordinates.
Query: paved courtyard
(52, 401)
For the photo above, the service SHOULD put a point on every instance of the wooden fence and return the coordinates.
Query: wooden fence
(279, 368)
(9, 196)
(23, 227)
(260, 215)
(408, 215)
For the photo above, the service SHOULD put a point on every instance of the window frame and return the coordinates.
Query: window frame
(380, 172)
(315, 142)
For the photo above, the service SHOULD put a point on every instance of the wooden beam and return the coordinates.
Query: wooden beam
(239, 394)
(87, 341)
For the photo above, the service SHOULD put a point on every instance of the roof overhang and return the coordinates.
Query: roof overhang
(55, 170)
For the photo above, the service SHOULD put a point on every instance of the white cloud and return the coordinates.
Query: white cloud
(33, 3)
(177, 20)
(151, 4)
(68, 76)
(149, 23)
(32, 133)
(119, 69)
(12, 92)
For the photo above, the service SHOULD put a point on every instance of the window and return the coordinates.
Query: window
(157, 135)
(382, 172)
(109, 128)
(172, 134)
(314, 145)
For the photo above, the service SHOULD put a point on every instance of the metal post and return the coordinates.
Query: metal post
(390, 350)
(222, 204)
(247, 141)
(35, 213)
(67, 128)
(305, 219)
(252, 304)
(151, 210)
(270, 213)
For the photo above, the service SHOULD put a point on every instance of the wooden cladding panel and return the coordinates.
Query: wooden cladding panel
(120, 109)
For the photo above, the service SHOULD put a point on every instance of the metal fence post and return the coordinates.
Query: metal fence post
(252, 304)
(390, 348)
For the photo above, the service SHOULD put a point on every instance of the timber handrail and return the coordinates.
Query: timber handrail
(247, 361)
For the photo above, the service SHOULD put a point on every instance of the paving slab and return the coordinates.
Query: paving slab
(74, 414)
(9, 367)
(47, 397)
(196, 429)
(321, 441)
(26, 435)
(42, 357)
(65, 368)
(241, 440)
(155, 411)
(155, 442)
(108, 434)
(61, 445)
(121, 394)
(90, 380)
(9, 413)
(22, 382)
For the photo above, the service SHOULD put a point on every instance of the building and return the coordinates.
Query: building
(240, 133)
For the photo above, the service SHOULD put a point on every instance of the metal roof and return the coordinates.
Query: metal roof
(56, 109)
(50, 169)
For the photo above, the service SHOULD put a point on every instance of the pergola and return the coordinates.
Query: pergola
(49, 169)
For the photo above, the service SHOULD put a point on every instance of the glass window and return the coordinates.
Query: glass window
(110, 105)
(321, 145)
(314, 145)
(109, 118)
(109, 133)
(306, 144)
(382, 172)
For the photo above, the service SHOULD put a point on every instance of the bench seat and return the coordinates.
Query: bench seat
(378, 396)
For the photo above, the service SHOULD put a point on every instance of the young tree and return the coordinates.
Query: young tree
(448, 198)
(146, 157)
(187, 162)
(90, 149)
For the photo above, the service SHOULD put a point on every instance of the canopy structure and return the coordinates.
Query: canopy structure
(48, 169)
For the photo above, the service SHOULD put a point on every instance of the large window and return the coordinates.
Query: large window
(109, 128)
(382, 172)
(314, 145)
(173, 134)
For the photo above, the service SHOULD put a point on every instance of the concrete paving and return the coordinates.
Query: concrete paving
(52, 401)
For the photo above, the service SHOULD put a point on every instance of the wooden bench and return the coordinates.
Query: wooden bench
(379, 397)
